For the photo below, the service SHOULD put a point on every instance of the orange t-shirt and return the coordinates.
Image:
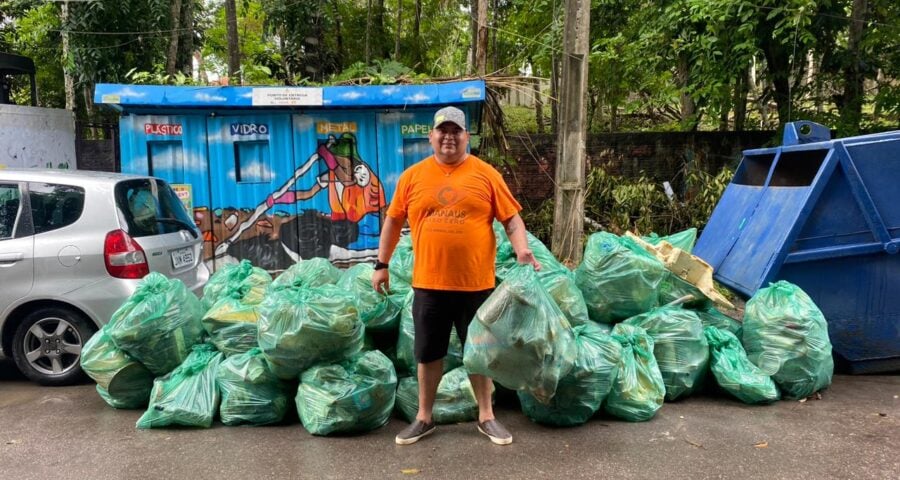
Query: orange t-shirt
(451, 212)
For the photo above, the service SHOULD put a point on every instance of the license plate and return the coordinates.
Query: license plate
(182, 257)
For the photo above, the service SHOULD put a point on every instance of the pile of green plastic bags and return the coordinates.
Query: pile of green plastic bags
(602, 339)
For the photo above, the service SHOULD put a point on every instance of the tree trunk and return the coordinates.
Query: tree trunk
(725, 108)
(339, 37)
(613, 118)
(384, 50)
(851, 107)
(201, 72)
(399, 29)
(368, 52)
(285, 63)
(68, 80)
(473, 28)
(417, 42)
(778, 70)
(741, 90)
(87, 90)
(688, 107)
(187, 38)
(482, 38)
(495, 49)
(174, 35)
(234, 46)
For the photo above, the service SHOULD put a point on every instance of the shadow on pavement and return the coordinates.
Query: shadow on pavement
(8, 370)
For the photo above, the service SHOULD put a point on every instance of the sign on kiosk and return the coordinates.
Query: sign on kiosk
(162, 128)
(183, 190)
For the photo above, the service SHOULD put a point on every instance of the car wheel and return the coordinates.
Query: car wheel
(47, 345)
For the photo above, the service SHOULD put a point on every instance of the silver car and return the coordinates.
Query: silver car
(73, 247)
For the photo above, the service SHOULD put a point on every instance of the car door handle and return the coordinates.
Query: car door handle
(8, 259)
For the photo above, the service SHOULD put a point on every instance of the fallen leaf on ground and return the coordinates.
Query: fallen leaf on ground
(763, 444)
(802, 400)
(410, 471)
(12, 442)
(882, 414)
(698, 445)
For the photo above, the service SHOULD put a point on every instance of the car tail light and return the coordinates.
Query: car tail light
(123, 256)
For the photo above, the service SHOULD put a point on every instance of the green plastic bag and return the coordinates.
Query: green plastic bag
(122, 381)
(158, 324)
(786, 336)
(711, 317)
(299, 328)
(734, 372)
(506, 260)
(638, 391)
(581, 392)
(376, 310)
(674, 288)
(618, 278)
(135, 398)
(406, 341)
(251, 393)
(356, 395)
(241, 280)
(554, 276)
(400, 267)
(309, 273)
(188, 395)
(568, 297)
(520, 338)
(684, 240)
(455, 401)
(679, 347)
(232, 325)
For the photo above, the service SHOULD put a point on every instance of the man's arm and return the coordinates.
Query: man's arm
(515, 230)
(390, 235)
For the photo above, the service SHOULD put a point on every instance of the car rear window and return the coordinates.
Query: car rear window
(145, 202)
(54, 206)
(9, 209)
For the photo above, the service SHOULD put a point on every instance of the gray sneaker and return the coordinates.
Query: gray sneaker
(414, 432)
(495, 431)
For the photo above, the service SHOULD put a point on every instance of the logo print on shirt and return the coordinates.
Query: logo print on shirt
(447, 196)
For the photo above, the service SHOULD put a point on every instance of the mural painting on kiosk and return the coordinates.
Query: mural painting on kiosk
(346, 232)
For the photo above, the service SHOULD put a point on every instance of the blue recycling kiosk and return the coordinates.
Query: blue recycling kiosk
(278, 174)
(825, 215)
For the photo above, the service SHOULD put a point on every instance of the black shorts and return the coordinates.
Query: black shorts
(435, 312)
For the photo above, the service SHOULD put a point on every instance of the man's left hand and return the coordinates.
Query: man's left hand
(526, 257)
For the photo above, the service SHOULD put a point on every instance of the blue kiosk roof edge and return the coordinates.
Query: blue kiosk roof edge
(124, 97)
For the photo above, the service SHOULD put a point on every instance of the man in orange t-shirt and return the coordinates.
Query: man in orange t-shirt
(450, 200)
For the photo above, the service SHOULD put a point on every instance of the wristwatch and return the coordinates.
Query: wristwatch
(379, 265)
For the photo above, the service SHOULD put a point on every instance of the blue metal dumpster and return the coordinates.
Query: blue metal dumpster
(825, 215)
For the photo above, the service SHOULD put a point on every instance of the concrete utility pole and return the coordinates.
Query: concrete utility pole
(568, 215)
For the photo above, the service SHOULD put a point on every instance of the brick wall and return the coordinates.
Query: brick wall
(660, 156)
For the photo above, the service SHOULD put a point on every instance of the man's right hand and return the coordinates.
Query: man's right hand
(381, 281)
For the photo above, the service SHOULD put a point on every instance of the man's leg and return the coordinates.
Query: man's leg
(429, 375)
(482, 386)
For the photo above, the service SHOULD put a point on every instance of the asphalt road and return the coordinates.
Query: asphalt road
(852, 432)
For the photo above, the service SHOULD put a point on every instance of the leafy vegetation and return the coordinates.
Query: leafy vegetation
(654, 64)
(618, 204)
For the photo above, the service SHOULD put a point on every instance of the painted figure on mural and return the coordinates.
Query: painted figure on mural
(355, 199)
